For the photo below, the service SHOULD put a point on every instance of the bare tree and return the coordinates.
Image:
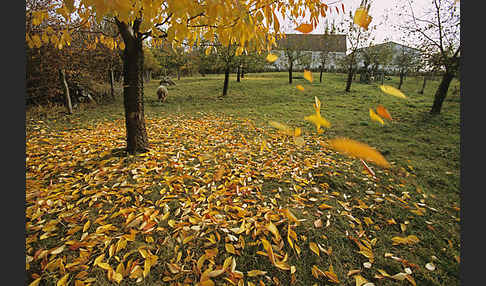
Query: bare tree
(437, 31)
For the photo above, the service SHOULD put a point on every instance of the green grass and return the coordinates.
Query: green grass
(424, 151)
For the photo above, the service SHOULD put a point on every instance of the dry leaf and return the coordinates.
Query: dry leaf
(359, 280)
(430, 266)
(313, 246)
(318, 223)
(411, 239)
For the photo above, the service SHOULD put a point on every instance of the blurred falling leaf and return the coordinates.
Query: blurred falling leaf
(359, 150)
(300, 87)
(392, 91)
(305, 28)
(381, 110)
(375, 117)
(271, 58)
(308, 75)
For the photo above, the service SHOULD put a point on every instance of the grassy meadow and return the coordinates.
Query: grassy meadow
(207, 162)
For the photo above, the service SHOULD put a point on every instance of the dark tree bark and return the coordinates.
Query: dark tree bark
(441, 92)
(65, 87)
(226, 80)
(112, 79)
(290, 72)
(242, 72)
(423, 85)
(178, 73)
(137, 140)
(238, 73)
(402, 75)
(320, 76)
(350, 79)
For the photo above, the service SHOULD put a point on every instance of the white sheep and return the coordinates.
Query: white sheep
(162, 93)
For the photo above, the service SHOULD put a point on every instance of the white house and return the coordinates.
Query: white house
(396, 50)
(310, 45)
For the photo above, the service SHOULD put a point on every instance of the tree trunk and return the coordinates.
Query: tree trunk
(401, 80)
(441, 92)
(137, 140)
(320, 76)
(62, 76)
(178, 74)
(226, 80)
(238, 71)
(423, 85)
(112, 79)
(290, 72)
(350, 80)
(242, 72)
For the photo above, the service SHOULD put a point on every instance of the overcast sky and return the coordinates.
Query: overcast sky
(379, 10)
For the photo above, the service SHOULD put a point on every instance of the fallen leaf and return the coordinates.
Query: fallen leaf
(359, 280)
(411, 239)
(430, 266)
(314, 248)
(300, 87)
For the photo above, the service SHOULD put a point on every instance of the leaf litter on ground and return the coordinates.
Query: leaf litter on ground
(193, 205)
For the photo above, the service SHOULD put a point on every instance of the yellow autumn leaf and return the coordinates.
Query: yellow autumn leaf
(392, 91)
(359, 280)
(308, 75)
(375, 117)
(273, 229)
(104, 265)
(300, 87)
(118, 277)
(411, 239)
(361, 17)
(331, 275)
(230, 248)
(271, 58)
(254, 273)
(325, 206)
(207, 282)
(359, 150)
(86, 226)
(35, 282)
(63, 280)
(313, 246)
(305, 28)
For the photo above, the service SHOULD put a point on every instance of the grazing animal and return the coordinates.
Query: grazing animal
(162, 93)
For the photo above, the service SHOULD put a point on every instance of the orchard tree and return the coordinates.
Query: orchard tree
(357, 37)
(293, 53)
(406, 60)
(437, 30)
(235, 22)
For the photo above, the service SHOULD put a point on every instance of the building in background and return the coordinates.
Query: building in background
(308, 50)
